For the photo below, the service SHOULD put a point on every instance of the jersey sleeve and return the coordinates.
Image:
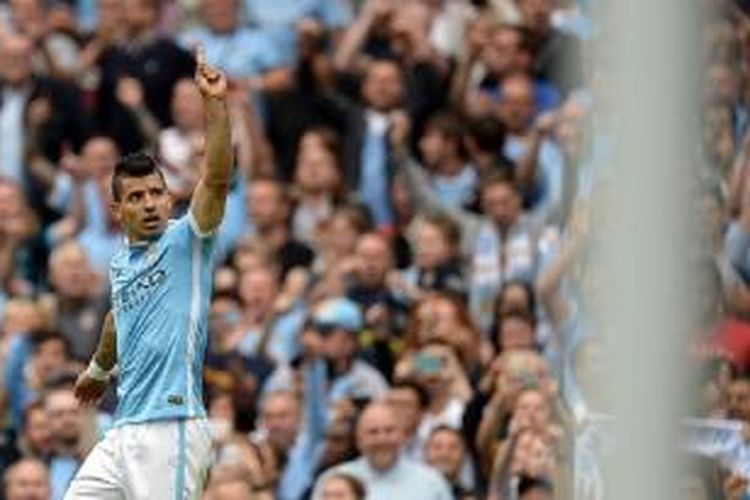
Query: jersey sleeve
(184, 234)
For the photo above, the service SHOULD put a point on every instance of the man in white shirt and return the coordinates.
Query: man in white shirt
(382, 469)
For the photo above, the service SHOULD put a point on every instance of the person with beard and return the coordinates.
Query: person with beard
(738, 404)
(34, 441)
(66, 425)
(25, 378)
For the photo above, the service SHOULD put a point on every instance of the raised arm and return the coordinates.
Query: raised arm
(92, 383)
(207, 204)
(345, 57)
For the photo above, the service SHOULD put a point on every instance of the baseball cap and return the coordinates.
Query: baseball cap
(340, 313)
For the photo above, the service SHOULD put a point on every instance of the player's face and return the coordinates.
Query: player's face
(144, 206)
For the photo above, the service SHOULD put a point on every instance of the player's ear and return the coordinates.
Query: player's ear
(170, 200)
(115, 207)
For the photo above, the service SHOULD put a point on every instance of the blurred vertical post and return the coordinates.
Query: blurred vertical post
(647, 238)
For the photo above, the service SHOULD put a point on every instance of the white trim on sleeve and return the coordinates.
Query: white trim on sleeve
(196, 229)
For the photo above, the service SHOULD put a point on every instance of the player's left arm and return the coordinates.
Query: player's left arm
(209, 197)
(92, 383)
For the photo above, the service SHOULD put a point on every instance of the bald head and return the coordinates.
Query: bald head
(27, 479)
(516, 108)
(70, 270)
(379, 436)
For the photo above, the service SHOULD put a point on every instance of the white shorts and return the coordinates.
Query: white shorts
(161, 460)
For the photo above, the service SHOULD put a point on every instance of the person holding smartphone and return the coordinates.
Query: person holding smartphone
(435, 368)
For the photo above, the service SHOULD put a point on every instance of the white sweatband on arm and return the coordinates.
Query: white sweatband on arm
(96, 372)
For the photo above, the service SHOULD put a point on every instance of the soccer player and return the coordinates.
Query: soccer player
(156, 331)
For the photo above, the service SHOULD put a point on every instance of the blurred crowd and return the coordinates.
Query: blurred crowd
(401, 297)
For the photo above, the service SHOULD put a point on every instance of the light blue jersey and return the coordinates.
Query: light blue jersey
(160, 296)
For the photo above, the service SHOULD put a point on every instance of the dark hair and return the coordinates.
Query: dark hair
(383, 59)
(410, 385)
(43, 336)
(499, 176)
(451, 127)
(140, 164)
(447, 227)
(357, 486)
(451, 430)
(527, 287)
(527, 41)
(331, 142)
(487, 132)
(274, 181)
(519, 315)
(529, 483)
(529, 319)
(357, 215)
(36, 405)
(62, 379)
(230, 294)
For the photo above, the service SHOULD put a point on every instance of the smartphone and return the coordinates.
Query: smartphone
(428, 364)
(360, 402)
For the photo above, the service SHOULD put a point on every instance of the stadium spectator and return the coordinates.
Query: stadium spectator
(446, 451)
(343, 487)
(77, 304)
(28, 479)
(156, 62)
(382, 469)
(67, 437)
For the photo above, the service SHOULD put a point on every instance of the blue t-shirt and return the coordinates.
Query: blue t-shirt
(160, 297)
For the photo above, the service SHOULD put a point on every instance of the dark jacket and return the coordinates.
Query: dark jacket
(158, 64)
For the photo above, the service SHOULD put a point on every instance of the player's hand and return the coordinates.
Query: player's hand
(735, 487)
(211, 82)
(89, 391)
